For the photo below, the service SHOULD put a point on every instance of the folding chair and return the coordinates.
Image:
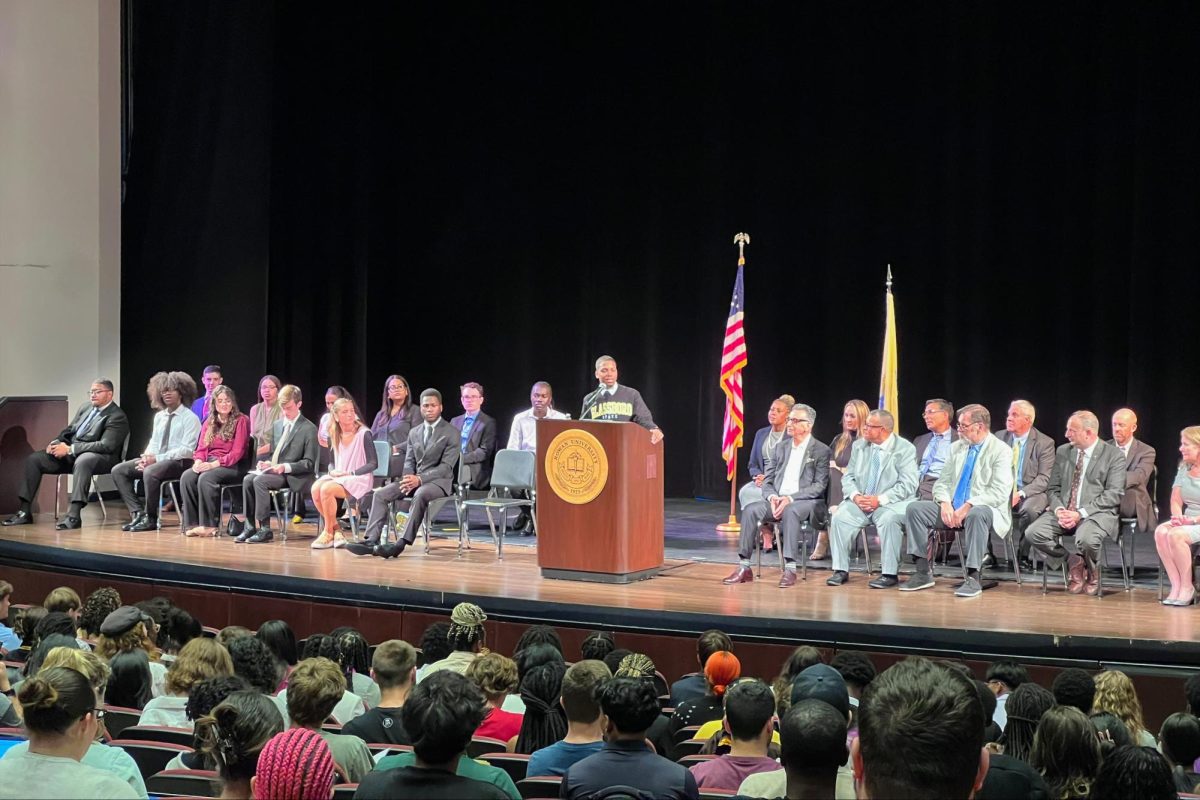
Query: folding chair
(92, 487)
(435, 507)
(514, 471)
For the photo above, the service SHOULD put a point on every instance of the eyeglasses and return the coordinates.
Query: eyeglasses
(794, 421)
(962, 426)
(98, 391)
(873, 425)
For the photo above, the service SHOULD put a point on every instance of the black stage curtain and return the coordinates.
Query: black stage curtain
(502, 191)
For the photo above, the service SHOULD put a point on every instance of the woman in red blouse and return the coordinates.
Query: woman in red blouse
(223, 442)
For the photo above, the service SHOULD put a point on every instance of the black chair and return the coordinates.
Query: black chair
(151, 757)
(481, 745)
(539, 786)
(188, 782)
(345, 791)
(117, 719)
(157, 733)
(515, 764)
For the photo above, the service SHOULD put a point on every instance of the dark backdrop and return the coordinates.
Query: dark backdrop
(501, 192)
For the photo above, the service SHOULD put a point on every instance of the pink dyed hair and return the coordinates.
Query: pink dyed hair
(294, 765)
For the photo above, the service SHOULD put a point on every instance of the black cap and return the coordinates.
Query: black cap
(121, 621)
(822, 682)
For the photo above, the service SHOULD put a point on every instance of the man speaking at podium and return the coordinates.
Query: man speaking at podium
(616, 403)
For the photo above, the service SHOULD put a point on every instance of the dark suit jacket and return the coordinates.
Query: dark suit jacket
(105, 436)
(1139, 466)
(1039, 461)
(925, 487)
(434, 464)
(757, 466)
(481, 448)
(1101, 488)
(814, 476)
(299, 451)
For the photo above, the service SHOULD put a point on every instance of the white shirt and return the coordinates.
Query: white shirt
(31, 775)
(112, 760)
(168, 711)
(790, 484)
(185, 433)
(523, 435)
(349, 707)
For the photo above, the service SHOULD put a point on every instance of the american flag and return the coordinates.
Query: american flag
(733, 359)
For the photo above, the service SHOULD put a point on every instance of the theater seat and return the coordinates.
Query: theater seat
(157, 733)
(540, 786)
(191, 782)
(481, 745)
(515, 764)
(151, 757)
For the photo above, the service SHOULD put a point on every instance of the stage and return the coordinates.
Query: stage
(687, 597)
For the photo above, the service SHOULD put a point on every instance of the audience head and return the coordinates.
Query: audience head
(535, 655)
(920, 733)
(395, 390)
(579, 686)
(131, 683)
(1179, 739)
(6, 590)
(544, 722)
(232, 735)
(207, 695)
(44, 646)
(394, 664)
(615, 657)
(466, 627)
(1024, 709)
(856, 669)
(63, 599)
(253, 661)
(1115, 693)
(631, 705)
(539, 634)
(636, 665)
(1110, 729)
(125, 629)
(296, 764)
(269, 388)
(441, 715)
(1066, 751)
(812, 739)
(1134, 772)
(25, 625)
(822, 682)
(85, 662)
(99, 604)
(1005, 676)
(435, 644)
(750, 711)
(1076, 688)
(314, 688)
(230, 633)
(353, 650)
(431, 405)
(60, 703)
(712, 641)
(495, 675)
(597, 645)
(55, 622)
(989, 702)
(721, 669)
(199, 660)
(319, 644)
(277, 635)
(177, 629)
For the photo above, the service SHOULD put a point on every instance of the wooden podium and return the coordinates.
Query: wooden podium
(599, 501)
(27, 424)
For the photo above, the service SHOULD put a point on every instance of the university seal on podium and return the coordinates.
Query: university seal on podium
(576, 466)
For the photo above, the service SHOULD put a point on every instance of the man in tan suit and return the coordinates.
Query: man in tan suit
(1084, 495)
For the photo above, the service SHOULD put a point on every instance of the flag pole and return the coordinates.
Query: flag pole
(732, 525)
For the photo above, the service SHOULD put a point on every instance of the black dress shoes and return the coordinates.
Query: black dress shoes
(19, 518)
(361, 548)
(884, 582)
(988, 561)
(837, 578)
(68, 524)
(261, 536)
(246, 533)
(390, 550)
(138, 517)
(144, 523)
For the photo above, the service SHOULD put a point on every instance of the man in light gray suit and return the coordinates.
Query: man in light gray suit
(973, 495)
(291, 464)
(429, 463)
(1139, 466)
(881, 476)
(1084, 494)
(796, 480)
(933, 446)
(1033, 460)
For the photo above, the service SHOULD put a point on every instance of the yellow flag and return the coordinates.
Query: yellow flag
(889, 387)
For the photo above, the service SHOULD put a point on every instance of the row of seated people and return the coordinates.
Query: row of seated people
(920, 728)
(968, 479)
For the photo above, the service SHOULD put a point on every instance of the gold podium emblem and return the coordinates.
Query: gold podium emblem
(576, 466)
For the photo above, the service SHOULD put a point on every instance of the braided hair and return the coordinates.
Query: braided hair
(354, 651)
(233, 734)
(466, 627)
(1024, 708)
(545, 720)
(295, 765)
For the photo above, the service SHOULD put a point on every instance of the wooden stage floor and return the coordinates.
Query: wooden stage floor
(1123, 627)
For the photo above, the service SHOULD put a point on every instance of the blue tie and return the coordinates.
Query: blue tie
(1021, 463)
(87, 422)
(468, 423)
(873, 471)
(963, 490)
(927, 459)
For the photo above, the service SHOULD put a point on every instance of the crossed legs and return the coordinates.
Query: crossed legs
(1174, 544)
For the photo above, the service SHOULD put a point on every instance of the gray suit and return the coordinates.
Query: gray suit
(299, 453)
(896, 484)
(1100, 491)
(925, 482)
(813, 480)
(1139, 466)
(1032, 480)
(434, 463)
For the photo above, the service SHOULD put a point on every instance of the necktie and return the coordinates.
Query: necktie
(166, 434)
(428, 436)
(1075, 482)
(468, 423)
(963, 490)
(1016, 463)
(287, 431)
(873, 471)
(927, 459)
(87, 422)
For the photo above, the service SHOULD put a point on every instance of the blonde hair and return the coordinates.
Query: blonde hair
(844, 439)
(133, 639)
(82, 661)
(494, 674)
(199, 660)
(335, 430)
(1192, 434)
(1115, 694)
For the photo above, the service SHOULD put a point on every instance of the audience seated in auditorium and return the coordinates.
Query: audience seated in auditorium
(393, 668)
(721, 669)
(290, 464)
(279, 638)
(446, 708)
(496, 677)
(351, 651)
(854, 421)
(1033, 457)
(1025, 708)
(91, 445)
(766, 439)
(465, 636)
(350, 706)
(750, 720)
(62, 720)
(435, 646)
(544, 721)
(477, 435)
(1066, 751)
(224, 439)
(1191, 691)
(1003, 677)
(881, 475)
(1115, 693)
(538, 645)
(25, 627)
(9, 640)
(1139, 466)
(630, 706)
(65, 600)
(254, 662)
(599, 644)
(920, 734)
(991, 731)
(167, 453)
(130, 684)
(857, 670)
(316, 686)
(204, 697)
(351, 471)
(227, 635)
(1083, 506)
(1074, 687)
(1176, 537)
(295, 764)
(1179, 741)
(232, 737)
(199, 660)
(800, 659)
(1130, 772)
(124, 630)
(177, 628)
(615, 657)
(264, 414)
(693, 686)
(98, 605)
(1112, 732)
(1007, 777)
(211, 379)
(585, 730)
(639, 666)
(397, 416)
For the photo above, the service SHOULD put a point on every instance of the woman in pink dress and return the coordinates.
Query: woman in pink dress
(350, 473)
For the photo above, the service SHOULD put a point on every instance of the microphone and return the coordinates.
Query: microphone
(590, 400)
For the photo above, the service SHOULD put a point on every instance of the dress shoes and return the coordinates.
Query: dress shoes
(1091, 586)
(361, 548)
(246, 533)
(137, 518)
(144, 523)
(837, 578)
(884, 582)
(740, 575)
(1027, 564)
(1077, 574)
(788, 579)
(390, 550)
(69, 524)
(19, 518)
(261, 536)
(988, 561)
